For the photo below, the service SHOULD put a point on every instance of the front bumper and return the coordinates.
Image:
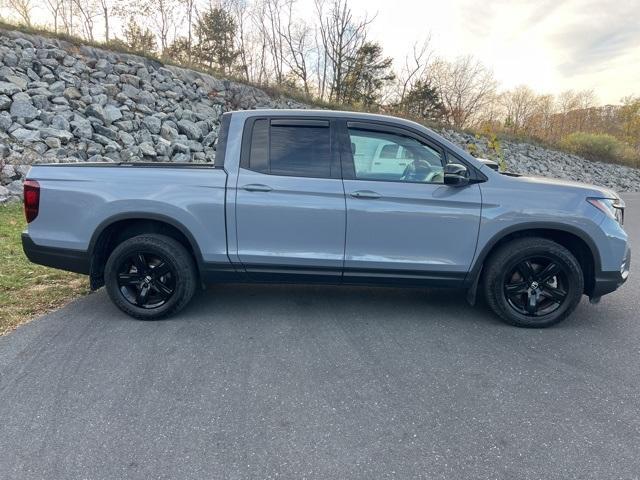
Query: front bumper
(61, 258)
(607, 282)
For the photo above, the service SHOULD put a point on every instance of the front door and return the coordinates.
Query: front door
(403, 222)
(290, 208)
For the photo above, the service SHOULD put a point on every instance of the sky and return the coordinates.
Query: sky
(550, 45)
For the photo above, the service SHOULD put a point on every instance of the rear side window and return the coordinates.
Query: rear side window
(292, 148)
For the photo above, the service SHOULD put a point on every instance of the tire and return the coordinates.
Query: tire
(150, 276)
(533, 282)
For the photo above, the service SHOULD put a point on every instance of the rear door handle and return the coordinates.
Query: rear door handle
(257, 187)
(366, 194)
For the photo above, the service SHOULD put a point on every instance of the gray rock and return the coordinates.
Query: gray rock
(24, 109)
(153, 124)
(181, 158)
(41, 102)
(10, 59)
(104, 65)
(82, 128)
(8, 173)
(60, 122)
(63, 135)
(146, 98)
(190, 129)
(105, 132)
(17, 80)
(130, 79)
(22, 170)
(4, 150)
(15, 188)
(147, 149)
(126, 138)
(52, 142)
(210, 139)
(112, 114)
(71, 93)
(95, 110)
(24, 135)
(179, 148)
(5, 102)
(5, 121)
(168, 133)
(9, 88)
(125, 125)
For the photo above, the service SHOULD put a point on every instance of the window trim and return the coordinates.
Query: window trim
(292, 121)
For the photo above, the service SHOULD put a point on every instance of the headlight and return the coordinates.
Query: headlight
(611, 207)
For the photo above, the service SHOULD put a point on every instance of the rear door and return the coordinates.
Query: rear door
(290, 207)
(403, 222)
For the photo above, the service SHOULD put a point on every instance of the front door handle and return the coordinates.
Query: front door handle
(257, 187)
(366, 194)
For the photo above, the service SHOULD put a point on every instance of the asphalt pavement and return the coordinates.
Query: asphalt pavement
(324, 382)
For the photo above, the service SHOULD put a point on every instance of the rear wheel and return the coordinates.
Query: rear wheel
(150, 276)
(533, 282)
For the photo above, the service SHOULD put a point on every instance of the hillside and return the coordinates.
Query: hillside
(63, 103)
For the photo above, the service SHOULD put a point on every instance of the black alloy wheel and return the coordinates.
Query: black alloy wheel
(146, 280)
(150, 276)
(532, 282)
(536, 286)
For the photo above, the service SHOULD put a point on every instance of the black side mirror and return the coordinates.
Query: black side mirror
(456, 175)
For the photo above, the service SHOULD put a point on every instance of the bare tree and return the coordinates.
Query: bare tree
(414, 67)
(342, 36)
(189, 6)
(520, 106)
(55, 7)
(104, 7)
(240, 11)
(465, 87)
(87, 11)
(22, 8)
(164, 18)
(296, 37)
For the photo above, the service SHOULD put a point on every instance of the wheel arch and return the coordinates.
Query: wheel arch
(117, 228)
(573, 239)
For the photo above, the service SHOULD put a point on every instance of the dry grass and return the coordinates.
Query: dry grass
(28, 290)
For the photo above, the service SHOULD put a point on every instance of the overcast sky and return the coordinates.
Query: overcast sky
(550, 45)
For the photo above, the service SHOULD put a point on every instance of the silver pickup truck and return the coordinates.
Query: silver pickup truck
(330, 197)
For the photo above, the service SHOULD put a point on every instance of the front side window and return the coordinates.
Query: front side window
(392, 157)
(302, 150)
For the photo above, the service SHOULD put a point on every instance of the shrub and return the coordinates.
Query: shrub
(600, 147)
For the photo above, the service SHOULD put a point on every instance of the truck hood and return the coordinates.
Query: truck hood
(588, 190)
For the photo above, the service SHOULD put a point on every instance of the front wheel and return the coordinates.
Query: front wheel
(533, 282)
(150, 276)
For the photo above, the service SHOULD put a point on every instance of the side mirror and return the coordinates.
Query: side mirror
(456, 175)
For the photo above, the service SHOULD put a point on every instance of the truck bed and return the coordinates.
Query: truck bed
(79, 199)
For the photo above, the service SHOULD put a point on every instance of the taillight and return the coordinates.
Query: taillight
(31, 199)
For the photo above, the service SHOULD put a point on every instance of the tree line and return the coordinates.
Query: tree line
(324, 50)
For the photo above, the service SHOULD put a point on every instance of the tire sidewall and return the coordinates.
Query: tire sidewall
(159, 247)
(557, 253)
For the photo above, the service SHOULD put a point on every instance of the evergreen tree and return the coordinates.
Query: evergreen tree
(422, 101)
(215, 32)
(368, 72)
(139, 40)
